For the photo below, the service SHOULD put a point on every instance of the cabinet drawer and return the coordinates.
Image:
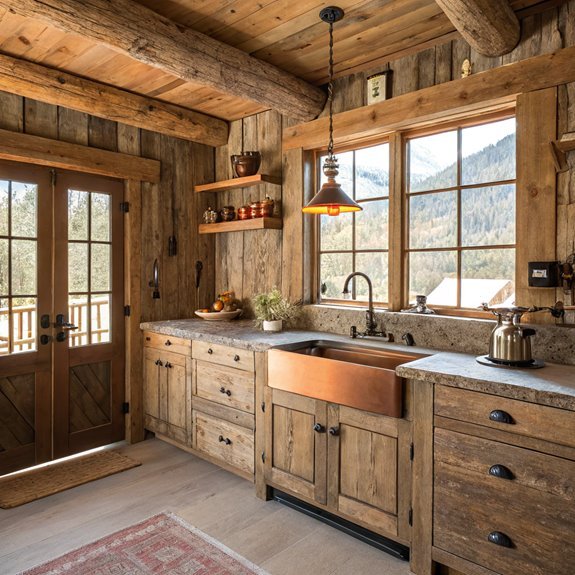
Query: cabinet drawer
(223, 355)
(164, 357)
(225, 385)
(225, 441)
(469, 507)
(168, 343)
(511, 415)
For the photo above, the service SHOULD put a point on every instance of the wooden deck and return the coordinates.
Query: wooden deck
(275, 537)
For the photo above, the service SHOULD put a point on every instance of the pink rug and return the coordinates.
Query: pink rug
(161, 545)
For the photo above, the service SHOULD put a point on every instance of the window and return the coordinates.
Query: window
(357, 241)
(461, 215)
(456, 198)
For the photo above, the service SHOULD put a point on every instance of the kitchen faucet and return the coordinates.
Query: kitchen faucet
(370, 322)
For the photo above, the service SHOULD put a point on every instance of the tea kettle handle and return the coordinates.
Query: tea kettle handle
(528, 332)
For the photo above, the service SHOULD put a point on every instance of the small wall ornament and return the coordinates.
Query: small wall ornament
(466, 68)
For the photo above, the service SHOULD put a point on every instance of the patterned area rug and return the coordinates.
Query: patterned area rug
(161, 545)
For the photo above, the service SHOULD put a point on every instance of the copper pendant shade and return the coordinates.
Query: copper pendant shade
(331, 199)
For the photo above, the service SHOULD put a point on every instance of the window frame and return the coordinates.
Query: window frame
(398, 267)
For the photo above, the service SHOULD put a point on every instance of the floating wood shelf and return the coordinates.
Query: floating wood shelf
(238, 183)
(559, 149)
(242, 225)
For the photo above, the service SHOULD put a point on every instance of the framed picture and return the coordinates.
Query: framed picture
(378, 87)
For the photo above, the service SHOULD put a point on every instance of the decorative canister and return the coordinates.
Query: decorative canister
(267, 207)
(210, 216)
(244, 213)
(228, 213)
(256, 210)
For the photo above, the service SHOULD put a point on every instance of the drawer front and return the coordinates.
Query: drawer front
(225, 385)
(511, 415)
(470, 508)
(167, 343)
(223, 355)
(225, 441)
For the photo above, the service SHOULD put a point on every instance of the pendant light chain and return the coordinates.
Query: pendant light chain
(330, 91)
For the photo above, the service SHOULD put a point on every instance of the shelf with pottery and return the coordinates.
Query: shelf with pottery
(242, 225)
(243, 182)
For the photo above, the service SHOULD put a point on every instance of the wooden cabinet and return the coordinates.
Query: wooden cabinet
(223, 399)
(167, 387)
(354, 463)
(504, 485)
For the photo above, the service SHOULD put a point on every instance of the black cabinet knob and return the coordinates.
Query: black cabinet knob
(210, 351)
(334, 431)
(236, 358)
(168, 365)
(225, 440)
(501, 471)
(225, 391)
(45, 339)
(500, 416)
(168, 342)
(319, 428)
(500, 539)
(159, 362)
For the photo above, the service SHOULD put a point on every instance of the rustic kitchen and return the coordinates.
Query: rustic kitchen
(287, 287)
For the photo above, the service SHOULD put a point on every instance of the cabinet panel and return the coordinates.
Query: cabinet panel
(223, 355)
(151, 384)
(225, 441)
(167, 343)
(225, 385)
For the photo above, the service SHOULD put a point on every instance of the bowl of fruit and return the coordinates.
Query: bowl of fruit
(224, 308)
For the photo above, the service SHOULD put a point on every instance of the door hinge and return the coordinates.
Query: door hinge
(124, 207)
(411, 452)
(127, 310)
(410, 517)
(263, 406)
(263, 456)
(125, 407)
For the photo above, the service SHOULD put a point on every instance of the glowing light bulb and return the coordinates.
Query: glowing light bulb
(333, 210)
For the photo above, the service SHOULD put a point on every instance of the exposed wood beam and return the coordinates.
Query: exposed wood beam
(144, 35)
(55, 87)
(488, 26)
(496, 87)
(56, 154)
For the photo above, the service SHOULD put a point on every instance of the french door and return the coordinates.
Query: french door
(61, 314)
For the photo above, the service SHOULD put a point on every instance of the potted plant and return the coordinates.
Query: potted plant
(272, 309)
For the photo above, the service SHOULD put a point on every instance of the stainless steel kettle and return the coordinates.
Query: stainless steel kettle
(510, 343)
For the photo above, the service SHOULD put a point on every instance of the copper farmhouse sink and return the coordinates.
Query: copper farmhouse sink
(352, 375)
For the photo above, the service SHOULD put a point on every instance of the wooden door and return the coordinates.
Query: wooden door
(25, 297)
(363, 456)
(296, 456)
(88, 313)
(61, 261)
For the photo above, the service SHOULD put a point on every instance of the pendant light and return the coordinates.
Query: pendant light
(331, 199)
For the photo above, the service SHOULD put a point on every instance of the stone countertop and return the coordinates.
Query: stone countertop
(552, 385)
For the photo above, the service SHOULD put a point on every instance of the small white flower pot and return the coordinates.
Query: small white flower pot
(275, 325)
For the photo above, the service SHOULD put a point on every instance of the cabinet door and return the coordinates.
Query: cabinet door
(296, 446)
(363, 467)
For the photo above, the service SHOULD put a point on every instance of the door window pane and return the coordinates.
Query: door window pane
(433, 220)
(23, 267)
(100, 228)
(101, 267)
(78, 316)
(4, 327)
(433, 274)
(334, 268)
(78, 215)
(101, 312)
(4, 290)
(24, 324)
(24, 210)
(371, 225)
(78, 267)
(433, 162)
(4, 207)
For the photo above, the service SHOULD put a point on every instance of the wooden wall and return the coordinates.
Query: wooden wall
(253, 261)
(183, 164)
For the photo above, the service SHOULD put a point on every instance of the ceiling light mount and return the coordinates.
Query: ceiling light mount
(331, 199)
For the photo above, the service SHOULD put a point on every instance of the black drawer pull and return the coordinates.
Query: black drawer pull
(159, 362)
(236, 358)
(319, 428)
(334, 431)
(500, 539)
(226, 391)
(168, 365)
(501, 471)
(225, 440)
(168, 342)
(500, 416)
(210, 351)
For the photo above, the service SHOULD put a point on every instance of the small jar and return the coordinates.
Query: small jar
(256, 210)
(210, 216)
(267, 207)
(228, 213)
(244, 213)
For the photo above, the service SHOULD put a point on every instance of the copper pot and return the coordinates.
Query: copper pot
(244, 213)
(267, 207)
(246, 163)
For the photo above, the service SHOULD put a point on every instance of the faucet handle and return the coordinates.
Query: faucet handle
(353, 331)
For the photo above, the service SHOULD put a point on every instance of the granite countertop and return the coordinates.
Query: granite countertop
(552, 385)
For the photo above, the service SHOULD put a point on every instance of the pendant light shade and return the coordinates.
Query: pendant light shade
(331, 199)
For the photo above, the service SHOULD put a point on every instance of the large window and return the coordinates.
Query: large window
(456, 198)
(461, 215)
(357, 241)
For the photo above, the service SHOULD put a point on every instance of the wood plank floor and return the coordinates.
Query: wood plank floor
(279, 539)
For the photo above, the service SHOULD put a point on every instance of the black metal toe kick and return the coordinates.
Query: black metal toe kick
(369, 537)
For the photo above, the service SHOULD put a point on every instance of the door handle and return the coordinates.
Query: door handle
(63, 323)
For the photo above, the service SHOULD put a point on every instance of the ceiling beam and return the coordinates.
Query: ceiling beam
(134, 30)
(489, 26)
(61, 89)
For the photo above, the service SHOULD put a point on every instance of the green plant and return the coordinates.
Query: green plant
(273, 306)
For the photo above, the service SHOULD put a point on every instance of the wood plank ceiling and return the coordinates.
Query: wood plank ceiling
(285, 33)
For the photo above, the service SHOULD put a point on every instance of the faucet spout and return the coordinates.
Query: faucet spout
(370, 323)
